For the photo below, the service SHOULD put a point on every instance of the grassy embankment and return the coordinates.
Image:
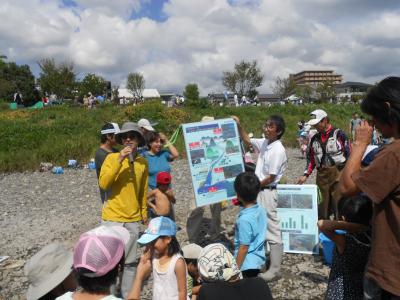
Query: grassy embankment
(56, 134)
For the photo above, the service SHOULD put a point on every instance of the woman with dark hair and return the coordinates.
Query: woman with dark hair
(157, 156)
(380, 181)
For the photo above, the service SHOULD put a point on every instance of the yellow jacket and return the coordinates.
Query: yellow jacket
(127, 200)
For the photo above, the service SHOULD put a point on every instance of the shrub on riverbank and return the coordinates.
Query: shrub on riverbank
(56, 134)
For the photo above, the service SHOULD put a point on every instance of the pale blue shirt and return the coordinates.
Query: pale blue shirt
(251, 226)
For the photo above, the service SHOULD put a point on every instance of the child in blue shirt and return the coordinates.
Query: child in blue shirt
(251, 226)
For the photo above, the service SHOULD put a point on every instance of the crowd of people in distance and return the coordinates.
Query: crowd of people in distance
(359, 211)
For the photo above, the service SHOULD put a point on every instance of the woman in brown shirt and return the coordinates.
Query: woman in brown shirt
(380, 181)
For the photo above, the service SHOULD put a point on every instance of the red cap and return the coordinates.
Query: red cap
(163, 178)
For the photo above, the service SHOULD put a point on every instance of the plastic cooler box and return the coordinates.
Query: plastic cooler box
(328, 246)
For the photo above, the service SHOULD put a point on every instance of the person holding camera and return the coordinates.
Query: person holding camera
(161, 152)
(125, 175)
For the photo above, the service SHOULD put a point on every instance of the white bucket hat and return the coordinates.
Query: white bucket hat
(47, 269)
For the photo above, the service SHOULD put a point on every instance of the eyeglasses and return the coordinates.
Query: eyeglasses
(268, 125)
(129, 135)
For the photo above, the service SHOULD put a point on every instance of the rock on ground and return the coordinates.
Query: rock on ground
(40, 208)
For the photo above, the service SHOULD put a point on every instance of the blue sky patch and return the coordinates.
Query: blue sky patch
(152, 9)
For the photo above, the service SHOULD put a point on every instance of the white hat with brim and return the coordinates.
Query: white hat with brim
(191, 251)
(130, 127)
(146, 124)
(318, 115)
(47, 269)
(207, 119)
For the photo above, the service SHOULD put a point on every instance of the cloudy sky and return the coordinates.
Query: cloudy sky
(177, 42)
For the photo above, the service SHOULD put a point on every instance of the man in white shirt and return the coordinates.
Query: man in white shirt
(270, 166)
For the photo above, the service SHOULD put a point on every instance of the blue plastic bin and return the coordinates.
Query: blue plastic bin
(92, 165)
(328, 246)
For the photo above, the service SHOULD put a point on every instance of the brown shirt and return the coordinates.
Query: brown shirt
(380, 181)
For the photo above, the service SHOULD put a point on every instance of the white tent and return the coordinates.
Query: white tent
(124, 93)
(151, 93)
(147, 93)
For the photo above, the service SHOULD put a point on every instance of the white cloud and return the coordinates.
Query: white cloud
(122, 8)
(201, 39)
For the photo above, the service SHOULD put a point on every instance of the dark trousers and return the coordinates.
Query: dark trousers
(250, 273)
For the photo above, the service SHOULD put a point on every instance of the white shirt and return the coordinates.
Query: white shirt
(272, 159)
(165, 284)
(68, 296)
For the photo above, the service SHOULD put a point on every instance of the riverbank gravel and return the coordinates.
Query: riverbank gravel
(37, 208)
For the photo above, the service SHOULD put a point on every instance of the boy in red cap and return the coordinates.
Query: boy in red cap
(161, 199)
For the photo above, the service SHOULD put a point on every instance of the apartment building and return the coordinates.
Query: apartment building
(313, 78)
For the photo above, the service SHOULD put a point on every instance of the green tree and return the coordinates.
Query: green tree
(244, 79)
(92, 84)
(304, 92)
(135, 84)
(115, 94)
(59, 79)
(326, 92)
(16, 78)
(191, 92)
(284, 87)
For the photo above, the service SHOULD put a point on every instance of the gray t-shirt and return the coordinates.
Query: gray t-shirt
(99, 158)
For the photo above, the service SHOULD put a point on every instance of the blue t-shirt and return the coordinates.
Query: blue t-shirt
(251, 226)
(157, 163)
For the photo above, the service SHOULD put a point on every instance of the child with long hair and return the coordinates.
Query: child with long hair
(351, 249)
(169, 267)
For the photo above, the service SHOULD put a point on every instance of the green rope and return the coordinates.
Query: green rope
(174, 136)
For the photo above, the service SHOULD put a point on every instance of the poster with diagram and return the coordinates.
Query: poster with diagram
(215, 159)
(298, 214)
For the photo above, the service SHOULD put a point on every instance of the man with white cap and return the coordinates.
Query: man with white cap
(108, 142)
(328, 151)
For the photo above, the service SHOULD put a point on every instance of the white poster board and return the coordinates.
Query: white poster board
(215, 159)
(298, 214)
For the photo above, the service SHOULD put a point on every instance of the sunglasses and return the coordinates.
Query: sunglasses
(129, 135)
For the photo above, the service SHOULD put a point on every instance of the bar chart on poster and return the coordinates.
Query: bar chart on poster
(298, 214)
(291, 224)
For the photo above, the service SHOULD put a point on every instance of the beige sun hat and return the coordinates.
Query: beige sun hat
(47, 269)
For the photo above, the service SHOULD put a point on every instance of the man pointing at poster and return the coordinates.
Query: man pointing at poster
(270, 166)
